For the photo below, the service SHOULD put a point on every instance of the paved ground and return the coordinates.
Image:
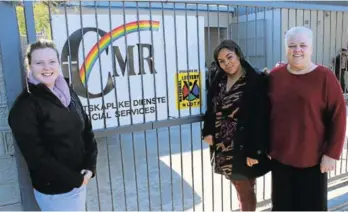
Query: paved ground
(177, 190)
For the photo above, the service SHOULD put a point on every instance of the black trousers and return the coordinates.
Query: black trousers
(298, 189)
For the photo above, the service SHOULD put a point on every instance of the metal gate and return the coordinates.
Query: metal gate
(151, 156)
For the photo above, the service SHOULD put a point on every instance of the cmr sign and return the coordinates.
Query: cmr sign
(127, 72)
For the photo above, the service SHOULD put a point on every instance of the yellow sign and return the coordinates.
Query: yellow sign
(188, 89)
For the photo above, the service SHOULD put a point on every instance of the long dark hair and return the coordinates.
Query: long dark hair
(230, 45)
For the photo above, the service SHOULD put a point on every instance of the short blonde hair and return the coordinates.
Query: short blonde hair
(294, 31)
(40, 44)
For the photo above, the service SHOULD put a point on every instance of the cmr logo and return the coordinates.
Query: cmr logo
(80, 76)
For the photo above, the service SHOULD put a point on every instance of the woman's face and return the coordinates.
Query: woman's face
(229, 61)
(299, 51)
(45, 66)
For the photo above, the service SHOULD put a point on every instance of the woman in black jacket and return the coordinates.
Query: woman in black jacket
(236, 122)
(53, 133)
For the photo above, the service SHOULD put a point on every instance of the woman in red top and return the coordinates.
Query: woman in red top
(308, 123)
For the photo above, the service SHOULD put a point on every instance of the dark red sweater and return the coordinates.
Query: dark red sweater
(308, 117)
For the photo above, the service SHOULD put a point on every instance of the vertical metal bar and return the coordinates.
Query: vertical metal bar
(246, 32)
(343, 14)
(335, 50)
(310, 26)
(265, 54)
(180, 127)
(165, 57)
(50, 19)
(140, 53)
(310, 19)
(167, 94)
(330, 172)
(287, 30)
(317, 37)
(156, 114)
(295, 17)
(288, 19)
(333, 68)
(230, 28)
(218, 22)
(209, 38)
(84, 56)
(29, 21)
(97, 183)
(135, 172)
(123, 177)
(116, 100)
(229, 34)
(237, 14)
(281, 33)
(188, 75)
(113, 63)
(126, 68)
(200, 106)
(131, 117)
(147, 171)
(210, 50)
(346, 155)
(265, 37)
(256, 63)
(330, 37)
(272, 42)
(221, 177)
(100, 66)
(323, 47)
(98, 193)
(68, 39)
(140, 56)
(109, 169)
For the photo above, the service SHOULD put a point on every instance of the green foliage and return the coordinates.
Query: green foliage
(41, 16)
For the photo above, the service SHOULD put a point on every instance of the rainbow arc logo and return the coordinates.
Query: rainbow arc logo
(108, 39)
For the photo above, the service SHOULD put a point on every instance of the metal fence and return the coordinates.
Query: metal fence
(140, 69)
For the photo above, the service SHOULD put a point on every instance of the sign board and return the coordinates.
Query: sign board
(133, 71)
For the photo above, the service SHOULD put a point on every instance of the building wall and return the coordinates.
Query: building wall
(330, 33)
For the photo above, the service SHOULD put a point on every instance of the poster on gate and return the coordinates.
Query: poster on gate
(133, 71)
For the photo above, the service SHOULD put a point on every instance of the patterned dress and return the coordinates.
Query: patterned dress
(226, 107)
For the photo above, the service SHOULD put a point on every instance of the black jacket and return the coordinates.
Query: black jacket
(253, 124)
(56, 142)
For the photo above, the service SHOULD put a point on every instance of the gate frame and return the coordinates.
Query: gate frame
(13, 70)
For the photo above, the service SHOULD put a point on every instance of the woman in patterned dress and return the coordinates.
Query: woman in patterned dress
(236, 122)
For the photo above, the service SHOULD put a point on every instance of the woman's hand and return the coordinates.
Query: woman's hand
(327, 164)
(250, 162)
(208, 139)
(87, 174)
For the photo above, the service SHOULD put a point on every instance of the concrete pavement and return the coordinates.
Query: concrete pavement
(172, 169)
